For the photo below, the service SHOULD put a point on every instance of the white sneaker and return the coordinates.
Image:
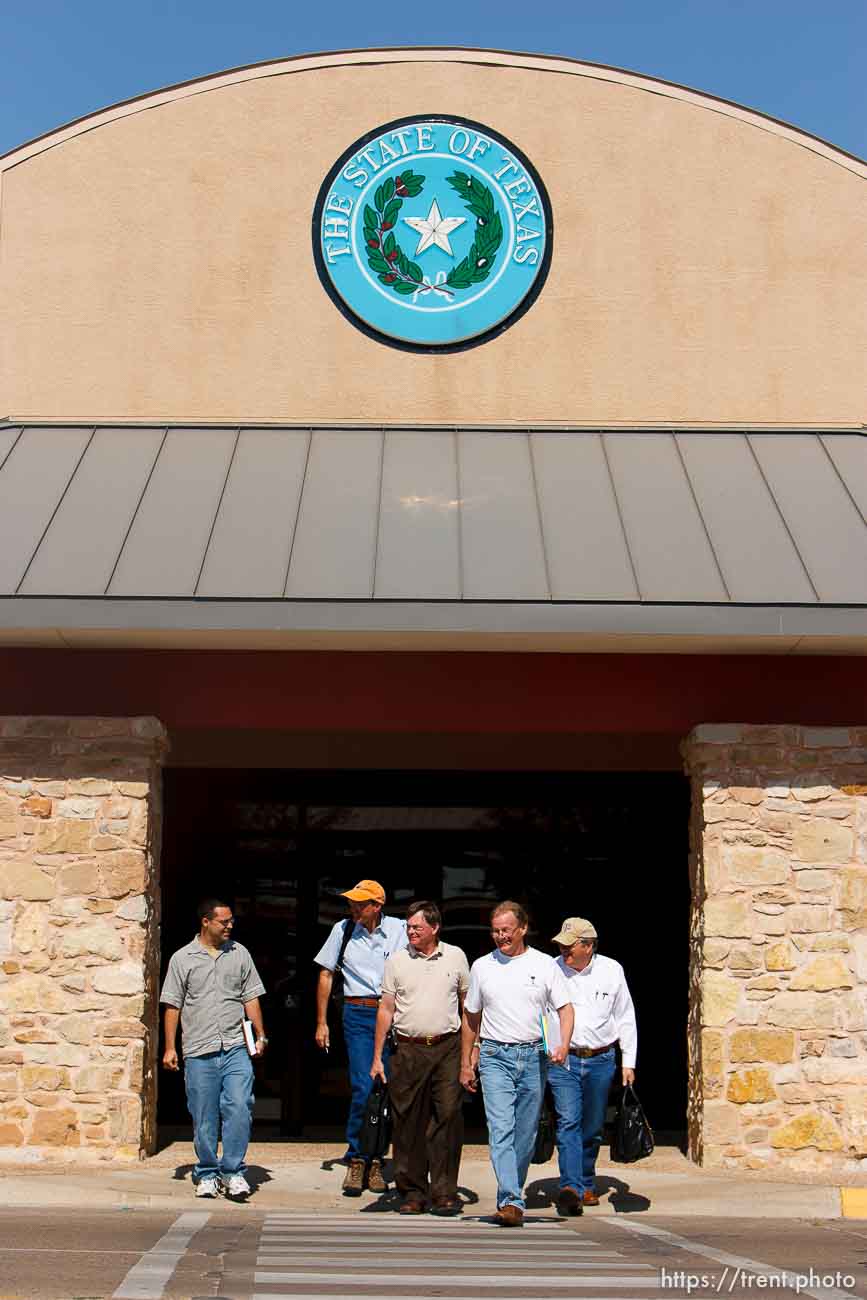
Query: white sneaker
(236, 1185)
(207, 1187)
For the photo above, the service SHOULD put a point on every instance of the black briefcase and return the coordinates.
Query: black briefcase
(632, 1138)
(375, 1137)
(546, 1134)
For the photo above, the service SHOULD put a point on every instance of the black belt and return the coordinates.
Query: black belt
(427, 1039)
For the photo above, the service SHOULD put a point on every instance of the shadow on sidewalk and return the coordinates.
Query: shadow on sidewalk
(543, 1193)
(256, 1175)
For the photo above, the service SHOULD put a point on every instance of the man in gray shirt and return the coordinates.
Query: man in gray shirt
(210, 986)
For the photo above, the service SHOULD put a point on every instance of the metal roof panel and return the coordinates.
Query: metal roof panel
(503, 557)
(335, 540)
(33, 479)
(758, 558)
(248, 554)
(78, 552)
(587, 554)
(166, 543)
(820, 514)
(418, 555)
(664, 530)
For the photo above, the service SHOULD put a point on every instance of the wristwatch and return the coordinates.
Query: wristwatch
(262, 1039)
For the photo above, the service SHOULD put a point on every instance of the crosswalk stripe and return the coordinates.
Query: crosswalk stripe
(566, 1241)
(384, 1284)
(405, 1229)
(397, 1254)
(147, 1279)
(433, 1262)
(382, 1221)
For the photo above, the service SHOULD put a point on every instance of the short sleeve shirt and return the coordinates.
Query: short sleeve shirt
(513, 994)
(427, 990)
(210, 993)
(365, 956)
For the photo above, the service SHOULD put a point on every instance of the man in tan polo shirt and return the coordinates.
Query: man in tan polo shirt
(423, 991)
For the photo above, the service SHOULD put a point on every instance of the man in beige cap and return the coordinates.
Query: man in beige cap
(604, 1016)
(358, 949)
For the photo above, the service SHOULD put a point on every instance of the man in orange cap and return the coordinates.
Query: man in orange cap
(358, 948)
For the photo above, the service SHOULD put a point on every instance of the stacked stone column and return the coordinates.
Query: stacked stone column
(778, 1017)
(79, 946)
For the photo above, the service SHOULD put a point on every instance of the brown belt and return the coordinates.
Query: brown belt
(427, 1039)
(363, 1002)
(589, 1051)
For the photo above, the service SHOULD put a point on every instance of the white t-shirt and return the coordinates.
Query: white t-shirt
(512, 994)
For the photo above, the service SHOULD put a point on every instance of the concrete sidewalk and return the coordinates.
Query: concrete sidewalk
(307, 1176)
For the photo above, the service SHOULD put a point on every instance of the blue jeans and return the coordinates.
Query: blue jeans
(220, 1100)
(513, 1081)
(580, 1098)
(359, 1024)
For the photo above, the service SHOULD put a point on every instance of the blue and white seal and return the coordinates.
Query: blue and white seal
(433, 232)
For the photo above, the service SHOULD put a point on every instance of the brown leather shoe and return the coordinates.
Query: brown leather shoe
(353, 1183)
(375, 1180)
(510, 1216)
(569, 1201)
(412, 1205)
(590, 1197)
(446, 1206)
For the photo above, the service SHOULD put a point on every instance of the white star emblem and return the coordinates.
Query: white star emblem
(434, 229)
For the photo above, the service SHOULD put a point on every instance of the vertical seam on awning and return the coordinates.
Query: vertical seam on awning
(217, 511)
(702, 519)
(298, 510)
(601, 436)
(460, 511)
(543, 544)
(836, 470)
(15, 442)
(137, 508)
(770, 491)
(57, 506)
(377, 537)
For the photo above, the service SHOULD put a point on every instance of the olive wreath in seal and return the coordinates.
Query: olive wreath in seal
(389, 262)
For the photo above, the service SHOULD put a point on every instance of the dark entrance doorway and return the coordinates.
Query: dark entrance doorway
(280, 846)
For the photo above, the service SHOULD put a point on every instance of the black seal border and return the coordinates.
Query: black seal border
(403, 345)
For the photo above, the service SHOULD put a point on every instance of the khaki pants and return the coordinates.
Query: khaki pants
(426, 1095)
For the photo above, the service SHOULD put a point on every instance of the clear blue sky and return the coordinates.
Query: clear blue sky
(799, 60)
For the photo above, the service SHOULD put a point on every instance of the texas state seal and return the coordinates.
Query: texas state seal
(433, 233)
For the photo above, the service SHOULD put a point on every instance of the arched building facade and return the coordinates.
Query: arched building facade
(446, 466)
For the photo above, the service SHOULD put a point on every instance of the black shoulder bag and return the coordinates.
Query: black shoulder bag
(337, 987)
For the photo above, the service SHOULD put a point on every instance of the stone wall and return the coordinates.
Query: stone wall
(79, 945)
(777, 1022)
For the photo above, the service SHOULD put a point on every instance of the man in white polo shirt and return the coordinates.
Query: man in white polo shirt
(510, 991)
(423, 990)
(604, 1016)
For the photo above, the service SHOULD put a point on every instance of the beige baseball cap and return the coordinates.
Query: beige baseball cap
(366, 891)
(573, 929)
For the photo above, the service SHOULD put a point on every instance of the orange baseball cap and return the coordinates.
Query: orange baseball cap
(366, 891)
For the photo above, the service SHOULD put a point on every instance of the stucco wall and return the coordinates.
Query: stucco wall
(709, 266)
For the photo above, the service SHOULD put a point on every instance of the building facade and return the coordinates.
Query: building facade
(451, 464)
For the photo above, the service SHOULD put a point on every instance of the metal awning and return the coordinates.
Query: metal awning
(536, 538)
